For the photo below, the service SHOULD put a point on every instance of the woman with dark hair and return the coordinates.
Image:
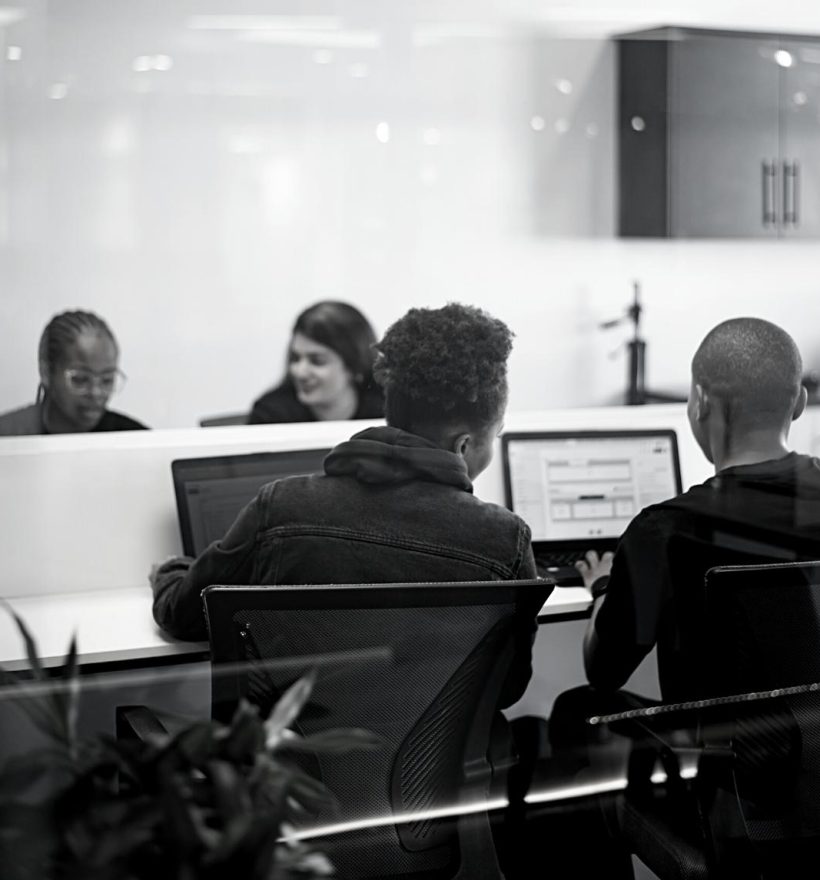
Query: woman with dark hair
(78, 361)
(329, 370)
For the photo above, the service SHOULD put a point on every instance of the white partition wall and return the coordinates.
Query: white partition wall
(93, 512)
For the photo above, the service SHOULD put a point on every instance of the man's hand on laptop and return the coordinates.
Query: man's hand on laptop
(593, 567)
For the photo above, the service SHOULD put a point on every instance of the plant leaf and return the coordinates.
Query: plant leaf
(31, 645)
(230, 790)
(71, 695)
(188, 827)
(195, 744)
(288, 708)
(246, 734)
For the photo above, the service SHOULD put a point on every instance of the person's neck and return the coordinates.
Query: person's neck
(54, 421)
(752, 447)
(344, 407)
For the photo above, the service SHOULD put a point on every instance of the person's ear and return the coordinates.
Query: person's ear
(703, 403)
(461, 443)
(802, 400)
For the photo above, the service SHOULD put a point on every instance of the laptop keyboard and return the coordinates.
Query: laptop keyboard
(558, 560)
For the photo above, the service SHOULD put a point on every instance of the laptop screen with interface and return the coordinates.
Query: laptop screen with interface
(210, 492)
(581, 489)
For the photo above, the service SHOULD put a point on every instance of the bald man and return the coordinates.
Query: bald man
(763, 504)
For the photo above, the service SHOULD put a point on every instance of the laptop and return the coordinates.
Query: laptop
(578, 490)
(210, 492)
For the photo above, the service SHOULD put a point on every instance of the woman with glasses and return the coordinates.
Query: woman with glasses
(78, 358)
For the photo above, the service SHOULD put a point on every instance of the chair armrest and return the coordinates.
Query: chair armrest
(138, 722)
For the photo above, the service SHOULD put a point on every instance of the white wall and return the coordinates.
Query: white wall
(199, 209)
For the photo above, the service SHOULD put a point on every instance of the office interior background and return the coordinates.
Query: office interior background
(199, 172)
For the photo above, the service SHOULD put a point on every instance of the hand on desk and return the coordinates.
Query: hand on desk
(171, 564)
(593, 567)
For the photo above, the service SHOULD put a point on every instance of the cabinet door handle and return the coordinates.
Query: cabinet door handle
(789, 193)
(769, 171)
(795, 192)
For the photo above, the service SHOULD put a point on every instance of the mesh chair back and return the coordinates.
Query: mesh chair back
(421, 666)
(764, 637)
(685, 669)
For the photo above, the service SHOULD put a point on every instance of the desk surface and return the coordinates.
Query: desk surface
(115, 627)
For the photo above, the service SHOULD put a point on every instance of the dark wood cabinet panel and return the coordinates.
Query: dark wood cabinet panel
(718, 135)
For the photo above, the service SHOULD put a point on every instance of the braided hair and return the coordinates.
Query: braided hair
(60, 332)
(444, 367)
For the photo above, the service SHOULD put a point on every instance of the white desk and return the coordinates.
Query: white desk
(115, 627)
(112, 627)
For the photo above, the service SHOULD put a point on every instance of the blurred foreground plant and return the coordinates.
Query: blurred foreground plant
(209, 801)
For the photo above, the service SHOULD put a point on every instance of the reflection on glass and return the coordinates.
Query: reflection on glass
(784, 58)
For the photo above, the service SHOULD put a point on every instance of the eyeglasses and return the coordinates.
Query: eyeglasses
(84, 381)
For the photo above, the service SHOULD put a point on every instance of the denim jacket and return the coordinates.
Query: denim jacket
(390, 507)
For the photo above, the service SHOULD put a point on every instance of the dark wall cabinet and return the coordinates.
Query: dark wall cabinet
(718, 134)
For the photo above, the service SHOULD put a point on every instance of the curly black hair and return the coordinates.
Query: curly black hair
(444, 366)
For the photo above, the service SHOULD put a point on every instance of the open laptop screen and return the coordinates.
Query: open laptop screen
(587, 486)
(210, 492)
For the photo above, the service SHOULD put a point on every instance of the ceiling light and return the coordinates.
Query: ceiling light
(784, 58)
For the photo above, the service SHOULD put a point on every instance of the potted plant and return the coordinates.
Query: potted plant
(209, 801)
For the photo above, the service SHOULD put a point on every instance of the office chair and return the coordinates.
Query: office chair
(753, 808)
(419, 665)
(228, 419)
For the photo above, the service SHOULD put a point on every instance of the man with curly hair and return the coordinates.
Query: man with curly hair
(395, 502)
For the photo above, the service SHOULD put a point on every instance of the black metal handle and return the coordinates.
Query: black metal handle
(789, 203)
(769, 173)
(795, 192)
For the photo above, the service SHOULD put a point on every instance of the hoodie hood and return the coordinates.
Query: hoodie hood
(386, 455)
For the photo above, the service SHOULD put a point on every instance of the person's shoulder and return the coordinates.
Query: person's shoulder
(494, 516)
(21, 421)
(668, 515)
(117, 421)
(808, 463)
(280, 404)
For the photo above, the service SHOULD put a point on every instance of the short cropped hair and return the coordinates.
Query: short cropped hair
(344, 329)
(444, 367)
(753, 366)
